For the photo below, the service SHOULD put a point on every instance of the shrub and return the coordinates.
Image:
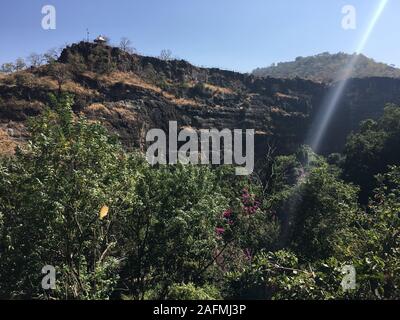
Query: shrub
(191, 292)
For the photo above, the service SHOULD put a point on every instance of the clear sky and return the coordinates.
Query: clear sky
(231, 34)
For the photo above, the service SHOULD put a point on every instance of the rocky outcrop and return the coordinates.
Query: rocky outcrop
(131, 94)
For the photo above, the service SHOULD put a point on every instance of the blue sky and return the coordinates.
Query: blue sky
(231, 34)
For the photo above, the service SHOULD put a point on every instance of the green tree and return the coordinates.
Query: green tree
(314, 206)
(372, 150)
(375, 250)
(169, 236)
(51, 194)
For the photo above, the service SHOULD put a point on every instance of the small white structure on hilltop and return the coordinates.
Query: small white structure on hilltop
(100, 39)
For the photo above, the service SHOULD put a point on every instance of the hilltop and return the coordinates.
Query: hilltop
(325, 67)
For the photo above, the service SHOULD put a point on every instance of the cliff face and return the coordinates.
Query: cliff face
(362, 99)
(131, 94)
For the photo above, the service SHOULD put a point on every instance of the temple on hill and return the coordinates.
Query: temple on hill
(100, 39)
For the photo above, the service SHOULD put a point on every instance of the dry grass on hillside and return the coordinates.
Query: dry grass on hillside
(45, 82)
(180, 101)
(7, 143)
(279, 111)
(127, 78)
(98, 110)
(184, 101)
(7, 79)
(70, 86)
(218, 90)
(126, 114)
(285, 96)
(132, 79)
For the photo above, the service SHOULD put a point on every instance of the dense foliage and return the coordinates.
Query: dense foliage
(165, 225)
(115, 227)
(371, 150)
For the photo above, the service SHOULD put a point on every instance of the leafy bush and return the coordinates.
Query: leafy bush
(372, 150)
(51, 194)
(191, 292)
(314, 206)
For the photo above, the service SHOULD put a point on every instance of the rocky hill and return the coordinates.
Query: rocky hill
(130, 94)
(324, 67)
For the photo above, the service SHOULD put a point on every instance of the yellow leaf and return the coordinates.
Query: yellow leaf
(103, 212)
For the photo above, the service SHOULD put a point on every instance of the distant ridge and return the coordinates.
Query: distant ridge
(325, 67)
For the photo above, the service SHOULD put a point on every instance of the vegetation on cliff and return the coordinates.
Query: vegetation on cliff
(130, 94)
(326, 67)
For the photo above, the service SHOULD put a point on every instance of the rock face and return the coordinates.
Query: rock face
(131, 94)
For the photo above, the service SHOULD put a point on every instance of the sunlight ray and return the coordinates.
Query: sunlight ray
(333, 98)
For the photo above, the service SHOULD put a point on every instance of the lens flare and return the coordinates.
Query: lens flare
(328, 108)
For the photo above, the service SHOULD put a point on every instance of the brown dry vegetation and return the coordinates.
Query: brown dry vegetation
(277, 110)
(98, 110)
(218, 90)
(7, 79)
(132, 79)
(286, 96)
(46, 82)
(7, 143)
(69, 86)
(127, 78)
(180, 101)
(124, 113)
(184, 101)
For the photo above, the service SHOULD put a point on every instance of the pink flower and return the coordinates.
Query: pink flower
(227, 213)
(250, 210)
(219, 231)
